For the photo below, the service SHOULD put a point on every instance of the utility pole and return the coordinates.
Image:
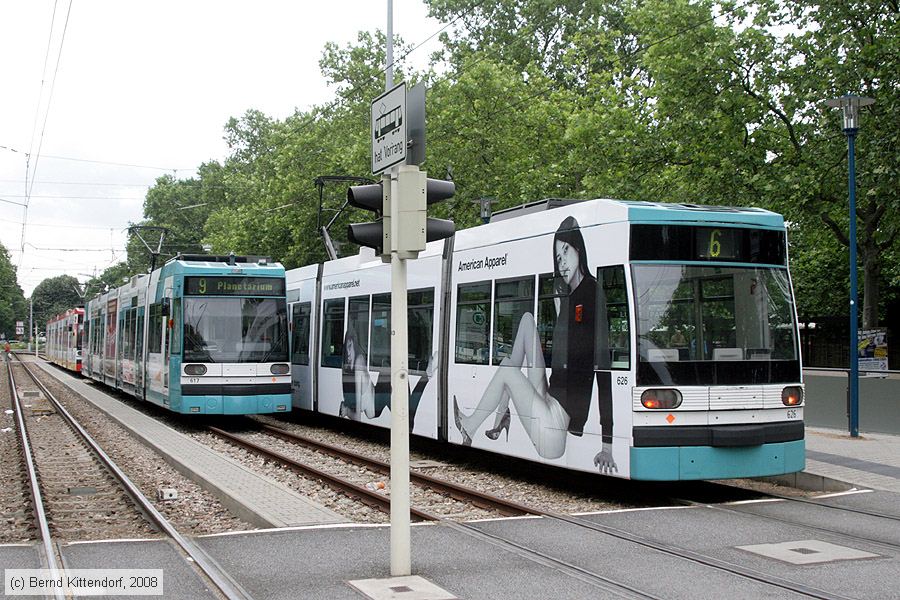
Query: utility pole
(401, 554)
(401, 230)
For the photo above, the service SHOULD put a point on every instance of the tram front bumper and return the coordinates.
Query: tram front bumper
(675, 463)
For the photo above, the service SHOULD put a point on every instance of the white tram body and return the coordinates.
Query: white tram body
(199, 335)
(672, 354)
(64, 338)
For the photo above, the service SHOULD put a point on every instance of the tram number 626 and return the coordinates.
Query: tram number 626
(621, 381)
(792, 414)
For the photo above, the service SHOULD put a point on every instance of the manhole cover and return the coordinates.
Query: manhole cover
(398, 588)
(807, 552)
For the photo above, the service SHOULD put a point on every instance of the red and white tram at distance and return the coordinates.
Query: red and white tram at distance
(64, 339)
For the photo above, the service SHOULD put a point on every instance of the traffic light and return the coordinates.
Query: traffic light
(415, 192)
(377, 198)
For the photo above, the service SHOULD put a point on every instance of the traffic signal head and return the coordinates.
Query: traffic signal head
(437, 190)
(376, 198)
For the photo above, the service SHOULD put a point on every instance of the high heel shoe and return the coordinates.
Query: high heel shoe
(504, 424)
(457, 418)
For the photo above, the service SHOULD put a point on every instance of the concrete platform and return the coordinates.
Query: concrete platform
(251, 496)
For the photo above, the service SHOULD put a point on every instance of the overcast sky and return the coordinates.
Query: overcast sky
(148, 85)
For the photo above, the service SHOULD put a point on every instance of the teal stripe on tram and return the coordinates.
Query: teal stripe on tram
(707, 462)
(708, 215)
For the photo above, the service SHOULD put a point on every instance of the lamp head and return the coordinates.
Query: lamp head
(850, 105)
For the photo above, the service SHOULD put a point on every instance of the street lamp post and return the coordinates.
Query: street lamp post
(850, 106)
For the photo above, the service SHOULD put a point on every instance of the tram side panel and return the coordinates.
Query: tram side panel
(506, 303)
(156, 384)
(354, 367)
(302, 296)
(130, 324)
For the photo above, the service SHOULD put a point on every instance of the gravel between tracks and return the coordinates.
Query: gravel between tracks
(16, 516)
(194, 512)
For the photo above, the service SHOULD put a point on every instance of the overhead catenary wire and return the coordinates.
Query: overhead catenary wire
(37, 156)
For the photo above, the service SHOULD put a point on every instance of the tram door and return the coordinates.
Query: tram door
(301, 341)
(167, 339)
(612, 357)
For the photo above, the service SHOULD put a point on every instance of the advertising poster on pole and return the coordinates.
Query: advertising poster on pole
(873, 350)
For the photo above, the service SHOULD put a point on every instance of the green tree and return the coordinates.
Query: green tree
(54, 296)
(12, 302)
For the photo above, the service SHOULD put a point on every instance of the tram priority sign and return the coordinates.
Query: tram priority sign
(389, 129)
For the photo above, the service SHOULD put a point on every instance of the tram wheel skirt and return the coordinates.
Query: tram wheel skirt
(706, 462)
(233, 405)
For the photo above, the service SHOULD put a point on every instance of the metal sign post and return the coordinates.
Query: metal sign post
(389, 149)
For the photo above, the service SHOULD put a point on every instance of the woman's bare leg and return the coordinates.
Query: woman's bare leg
(541, 415)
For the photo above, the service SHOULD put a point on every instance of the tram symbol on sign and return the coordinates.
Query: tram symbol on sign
(388, 127)
(388, 122)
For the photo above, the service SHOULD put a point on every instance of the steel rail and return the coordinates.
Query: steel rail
(696, 557)
(454, 490)
(53, 563)
(886, 546)
(682, 553)
(611, 587)
(205, 563)
(369, 497)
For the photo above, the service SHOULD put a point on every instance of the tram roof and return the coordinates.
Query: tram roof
(656, 212)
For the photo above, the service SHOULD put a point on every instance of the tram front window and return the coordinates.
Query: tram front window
(706, 325)
(233, 330)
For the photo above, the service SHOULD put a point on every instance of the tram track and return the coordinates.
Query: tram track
(51, 527)
(518, 509)
(745, 509)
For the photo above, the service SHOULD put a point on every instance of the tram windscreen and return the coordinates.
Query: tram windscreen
(235, 330)
(713, 325)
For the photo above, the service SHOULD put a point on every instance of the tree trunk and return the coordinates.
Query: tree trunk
(871, 275)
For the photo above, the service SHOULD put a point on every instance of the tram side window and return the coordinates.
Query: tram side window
(333, 333)
(473, 322)
(98, 334)
(125, 331)
(512, 299)
(175, 331)
(154, 342)
(380, 333)
(420, 313)
(358, 326)
(549, 295)
(300, 341)
(613, 350)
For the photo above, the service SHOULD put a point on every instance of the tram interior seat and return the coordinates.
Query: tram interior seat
(728, 354)
(663, 355)
(758, 354)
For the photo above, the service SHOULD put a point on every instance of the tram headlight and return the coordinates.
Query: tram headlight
(661, 399)
(195, 370)
(280, 369)
(792, 395)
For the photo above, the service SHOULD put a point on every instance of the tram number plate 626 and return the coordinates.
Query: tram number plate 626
(792, 414)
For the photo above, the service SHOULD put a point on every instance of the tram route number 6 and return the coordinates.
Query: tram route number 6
(715, 246)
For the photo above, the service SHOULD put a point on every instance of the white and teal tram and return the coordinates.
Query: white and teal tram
(642, 340)
(202, 334)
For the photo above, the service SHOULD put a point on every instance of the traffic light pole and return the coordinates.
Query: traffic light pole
(400, 522)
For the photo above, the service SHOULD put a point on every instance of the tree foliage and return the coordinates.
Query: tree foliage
(708, 101)
(12, 302)
(54, 296)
